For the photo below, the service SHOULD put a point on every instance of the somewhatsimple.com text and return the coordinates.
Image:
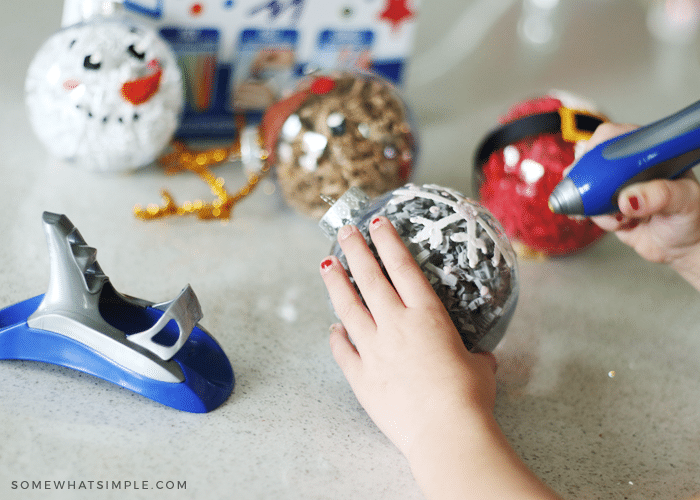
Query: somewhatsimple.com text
(98, 485)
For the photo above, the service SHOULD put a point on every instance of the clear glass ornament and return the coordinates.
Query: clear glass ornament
(336, 131)
(459, 246)
(105, 94)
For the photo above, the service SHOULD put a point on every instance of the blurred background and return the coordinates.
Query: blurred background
(637, 60)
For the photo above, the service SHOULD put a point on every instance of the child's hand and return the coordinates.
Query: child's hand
(408, 366)
(416, 379)
(659, 219)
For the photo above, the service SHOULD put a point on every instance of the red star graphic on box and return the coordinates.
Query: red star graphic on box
(396, 12)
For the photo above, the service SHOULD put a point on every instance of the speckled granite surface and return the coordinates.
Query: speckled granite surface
(598, 382)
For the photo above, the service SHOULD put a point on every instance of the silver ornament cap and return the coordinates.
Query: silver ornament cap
(91, 9)
(346, 210)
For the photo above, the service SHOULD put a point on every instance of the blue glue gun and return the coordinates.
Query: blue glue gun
(661, 150)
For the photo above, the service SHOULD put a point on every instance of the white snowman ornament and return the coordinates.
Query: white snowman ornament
(105, 94)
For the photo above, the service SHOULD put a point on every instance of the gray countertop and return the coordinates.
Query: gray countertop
(599, 389)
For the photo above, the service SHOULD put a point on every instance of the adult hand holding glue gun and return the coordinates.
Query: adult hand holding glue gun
(662, 150)
(658, 217)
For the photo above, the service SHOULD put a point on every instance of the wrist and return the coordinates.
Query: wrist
(467, 456)
(438, 453)
(462, 423)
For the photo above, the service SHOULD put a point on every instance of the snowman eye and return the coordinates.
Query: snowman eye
(138, 55)
(89, 64)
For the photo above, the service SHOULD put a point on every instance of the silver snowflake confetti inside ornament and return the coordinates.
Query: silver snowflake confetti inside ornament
(459, 246)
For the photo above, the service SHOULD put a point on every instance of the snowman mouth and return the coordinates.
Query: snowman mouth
(141, 90)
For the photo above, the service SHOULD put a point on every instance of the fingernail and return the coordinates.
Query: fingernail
(376, 221)
(619, 217)
(344, 232)
(630, 225)
(326, 264)
(634, 202)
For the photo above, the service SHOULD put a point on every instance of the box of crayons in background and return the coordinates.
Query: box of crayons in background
(237, 56)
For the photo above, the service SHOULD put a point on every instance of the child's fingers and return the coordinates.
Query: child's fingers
(346, 302)
(617, 222)
(378, 293)
(608, 222)
(660, 196)
(344, 353)
(408, 279)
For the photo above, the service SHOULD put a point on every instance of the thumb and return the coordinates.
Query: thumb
(660, 196)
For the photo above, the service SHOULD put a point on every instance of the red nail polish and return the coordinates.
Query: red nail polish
(376, 221)
(326, 263)
(619, 217)
(634, 202)
(629, 225)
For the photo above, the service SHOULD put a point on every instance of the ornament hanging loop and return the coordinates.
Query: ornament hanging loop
(328, 199)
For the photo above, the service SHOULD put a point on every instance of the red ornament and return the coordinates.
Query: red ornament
(517, 182)
(396, 12)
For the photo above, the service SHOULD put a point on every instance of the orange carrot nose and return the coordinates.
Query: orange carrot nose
(141, 90)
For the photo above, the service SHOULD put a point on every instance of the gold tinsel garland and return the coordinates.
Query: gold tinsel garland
(182, 158)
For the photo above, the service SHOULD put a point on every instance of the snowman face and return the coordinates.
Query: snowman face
(352, 131)
(106, 94)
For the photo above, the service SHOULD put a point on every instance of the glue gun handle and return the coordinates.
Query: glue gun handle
(656, 135)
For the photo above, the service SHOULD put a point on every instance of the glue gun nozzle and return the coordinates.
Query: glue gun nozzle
(565, 199)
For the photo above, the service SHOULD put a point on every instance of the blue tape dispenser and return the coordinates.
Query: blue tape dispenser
(82, 322)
